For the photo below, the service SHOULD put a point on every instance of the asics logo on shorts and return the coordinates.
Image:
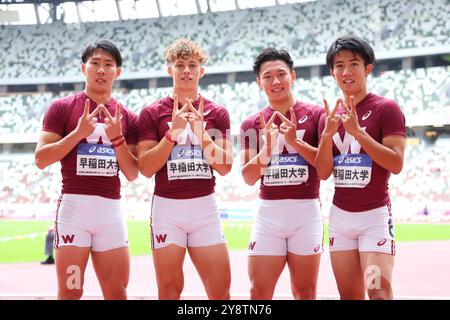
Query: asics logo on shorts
(317, 248)
(381, 243)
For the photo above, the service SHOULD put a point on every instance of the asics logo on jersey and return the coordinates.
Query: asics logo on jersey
(161, 238)
(205, 113)
(368, 113)
(381, 243)
(68, 238)
(303, 119)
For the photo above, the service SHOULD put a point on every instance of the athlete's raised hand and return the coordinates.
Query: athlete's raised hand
(333, 120)
(289, 127)
(87, 122)
(350, 118)
(179, 118)
(113, 125)
(270, 132)
(195, 117)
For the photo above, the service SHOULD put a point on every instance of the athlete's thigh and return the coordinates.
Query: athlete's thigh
(168, 261)
(70, 266)
(304, 269)
(211, 261)
(377, 268)
(112, 267)
(347, 271)
(265, 269)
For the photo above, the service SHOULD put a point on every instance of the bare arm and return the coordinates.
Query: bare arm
(388, 154)
(218, 154)
(51, 147)
(255, 163)
(153, 155)
(324, 156)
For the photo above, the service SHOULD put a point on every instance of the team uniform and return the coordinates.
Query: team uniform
(289, 216)
(184, 210)
(360, 217)
(89, 212)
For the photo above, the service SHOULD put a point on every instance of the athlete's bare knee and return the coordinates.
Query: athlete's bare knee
(115, 292)
(70, 294)
(219, 293)
(380, 294)
(169, 290)
(258, 292)
(306, 292)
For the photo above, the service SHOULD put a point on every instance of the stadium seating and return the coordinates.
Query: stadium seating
(231, 38)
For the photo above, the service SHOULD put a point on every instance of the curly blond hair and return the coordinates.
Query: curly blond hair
(184, 48)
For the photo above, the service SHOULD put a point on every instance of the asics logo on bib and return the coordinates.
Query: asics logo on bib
(101, 150)
(287, 159)
(190, 153)
(353, 160)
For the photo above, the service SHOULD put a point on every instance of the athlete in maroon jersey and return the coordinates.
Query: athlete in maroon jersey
(278, 147)
(183, 145)
(93, 136)
(361, 144)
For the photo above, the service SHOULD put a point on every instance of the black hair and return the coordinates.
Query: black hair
(351, 43)
(272, 54)
(104, 45)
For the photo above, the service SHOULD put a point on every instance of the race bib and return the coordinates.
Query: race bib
(96, 160)
(352, 170)
(286, 170)
(187, 162)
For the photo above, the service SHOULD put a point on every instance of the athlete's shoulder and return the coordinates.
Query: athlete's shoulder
(383, 103)
(252, 121)
(166, 101)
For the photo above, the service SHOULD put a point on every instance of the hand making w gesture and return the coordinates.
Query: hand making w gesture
(350, 118)
(195, 117)
(289, 127)
(270, 132)
(113, 125)
(333, 120)
(87, 122)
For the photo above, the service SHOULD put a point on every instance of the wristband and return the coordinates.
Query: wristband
(115, 145)
(168, 137)
(117, 138)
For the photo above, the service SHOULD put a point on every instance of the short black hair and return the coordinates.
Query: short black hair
(105, 45)
(351, 43)
(272, 54)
